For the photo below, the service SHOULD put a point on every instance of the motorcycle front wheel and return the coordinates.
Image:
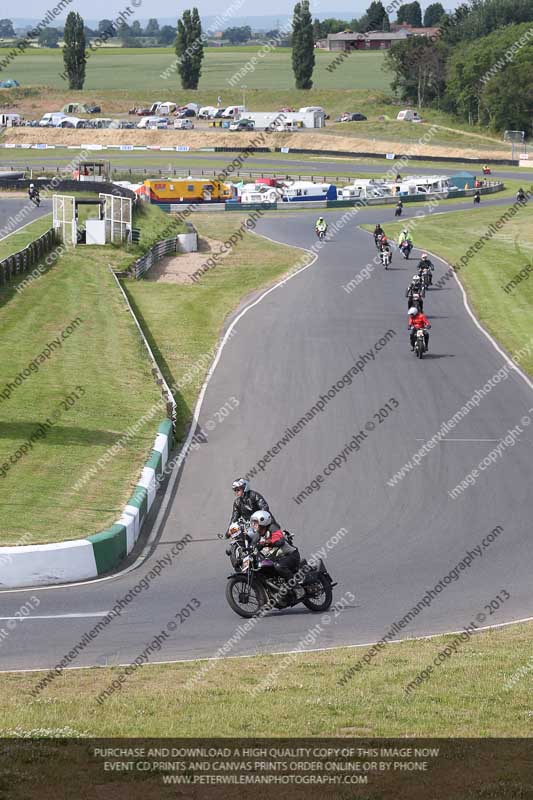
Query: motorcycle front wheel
(320, 595)
(245, 600)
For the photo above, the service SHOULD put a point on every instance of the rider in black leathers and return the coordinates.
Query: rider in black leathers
(247, 501)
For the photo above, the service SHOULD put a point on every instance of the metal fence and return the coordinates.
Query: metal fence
(154, 254)
(26, 258)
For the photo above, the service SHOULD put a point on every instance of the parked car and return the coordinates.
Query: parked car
(142, 112)
(354, 117)
(183, 124)
(93, 109)
(124, 123)
(242, 125)
(183, 113)
(287, 110)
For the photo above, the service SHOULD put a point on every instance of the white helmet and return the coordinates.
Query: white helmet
(405, 231)
(412, 311)
(240, 483)
(32, 186)
(415, 279)
(424, 256)
(262, 517)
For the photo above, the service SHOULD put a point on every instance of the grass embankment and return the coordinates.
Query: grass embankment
(508, 315)
(469, 695)
(183, 322)
(102, 353)
(17, 241)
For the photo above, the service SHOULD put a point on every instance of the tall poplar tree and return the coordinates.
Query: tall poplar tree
(74, 56)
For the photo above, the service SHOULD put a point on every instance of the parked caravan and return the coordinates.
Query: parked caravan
(185, 190)
(426, 184)
(296, 191)
(364, 189)
(408, 115)
(259, 193)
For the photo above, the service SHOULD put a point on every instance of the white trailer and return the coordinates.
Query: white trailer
(298, 119)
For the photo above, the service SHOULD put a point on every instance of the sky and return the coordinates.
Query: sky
(34, 10)
(98, 9)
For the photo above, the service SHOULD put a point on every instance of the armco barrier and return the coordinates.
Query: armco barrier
(68, 185)
(25, 259)
(397, 156)
(82, 559)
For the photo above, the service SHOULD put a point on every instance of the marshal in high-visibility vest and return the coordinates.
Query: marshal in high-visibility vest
(185, 190)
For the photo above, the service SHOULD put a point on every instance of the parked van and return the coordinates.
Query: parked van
(206, 112)
(233, 111)
(408, 115)
(147, 122)
(51, 119)
(311, 109)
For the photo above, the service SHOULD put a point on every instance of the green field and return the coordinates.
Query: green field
(118, 68)
(478, 692)
(102, 355)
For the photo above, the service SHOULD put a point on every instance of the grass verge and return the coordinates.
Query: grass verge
(507, 315)
(102, 354)
(480, 690)
(18, 240)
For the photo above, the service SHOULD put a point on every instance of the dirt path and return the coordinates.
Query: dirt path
(180, 268)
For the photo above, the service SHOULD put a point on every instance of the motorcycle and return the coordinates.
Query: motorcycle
(386, 257)
(321, 233)
(377, 241)
(486, 171)
(406, 248)
(420, 343)
(425, 277)
(35, 199)
(415, 299)
(238, 542)
(257, 587)
(398, 211)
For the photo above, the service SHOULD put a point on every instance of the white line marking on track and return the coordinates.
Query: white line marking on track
(461, 440)
(286, 652)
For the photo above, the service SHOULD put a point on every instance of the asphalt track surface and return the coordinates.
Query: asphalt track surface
(332, 165)
(11, 206)
(287, 350)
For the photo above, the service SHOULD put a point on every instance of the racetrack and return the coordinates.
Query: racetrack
(287, 350)
(10, 207)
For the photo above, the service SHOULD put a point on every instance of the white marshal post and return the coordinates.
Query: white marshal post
(64, 217)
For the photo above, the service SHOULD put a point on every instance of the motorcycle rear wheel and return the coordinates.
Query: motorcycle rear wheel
(237, 589)
(322, 598)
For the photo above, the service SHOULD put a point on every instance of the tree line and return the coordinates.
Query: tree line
(479, 67)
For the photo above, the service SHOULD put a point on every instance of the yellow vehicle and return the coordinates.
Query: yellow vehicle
(185, 190)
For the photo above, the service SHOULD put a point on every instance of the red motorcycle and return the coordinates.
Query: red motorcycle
(486, 171)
